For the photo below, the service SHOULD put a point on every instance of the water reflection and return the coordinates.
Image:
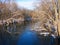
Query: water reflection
(28, 38)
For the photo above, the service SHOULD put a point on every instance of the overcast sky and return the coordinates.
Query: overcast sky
(28, 4)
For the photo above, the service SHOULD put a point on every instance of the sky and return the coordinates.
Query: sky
(28, 4)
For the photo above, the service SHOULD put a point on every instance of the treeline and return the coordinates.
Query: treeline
(12, 21)
(10, 13)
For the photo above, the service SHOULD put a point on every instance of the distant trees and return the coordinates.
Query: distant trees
(48, 12)
(7, 7)
(11, 16)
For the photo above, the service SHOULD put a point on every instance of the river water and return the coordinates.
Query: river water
(28, 37)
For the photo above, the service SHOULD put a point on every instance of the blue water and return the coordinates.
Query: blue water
(28, 38)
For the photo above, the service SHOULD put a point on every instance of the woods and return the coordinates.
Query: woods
(49, 15)
(14, 20)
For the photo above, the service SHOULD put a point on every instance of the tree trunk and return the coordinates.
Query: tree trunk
(58, 24)
(58, 28)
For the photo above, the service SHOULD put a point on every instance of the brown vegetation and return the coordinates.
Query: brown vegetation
(48, 13)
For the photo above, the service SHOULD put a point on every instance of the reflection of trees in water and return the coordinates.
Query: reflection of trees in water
(14, 29)
(15, 26)
(25, 25)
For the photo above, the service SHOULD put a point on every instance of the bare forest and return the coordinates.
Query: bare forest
(14, 20)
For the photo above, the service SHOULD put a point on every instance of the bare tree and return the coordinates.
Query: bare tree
(7, 7)
(50, 11)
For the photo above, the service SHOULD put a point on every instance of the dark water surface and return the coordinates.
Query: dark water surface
(31, 38)
(27, 37)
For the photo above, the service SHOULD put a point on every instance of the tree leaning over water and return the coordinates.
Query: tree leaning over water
(48, 12)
